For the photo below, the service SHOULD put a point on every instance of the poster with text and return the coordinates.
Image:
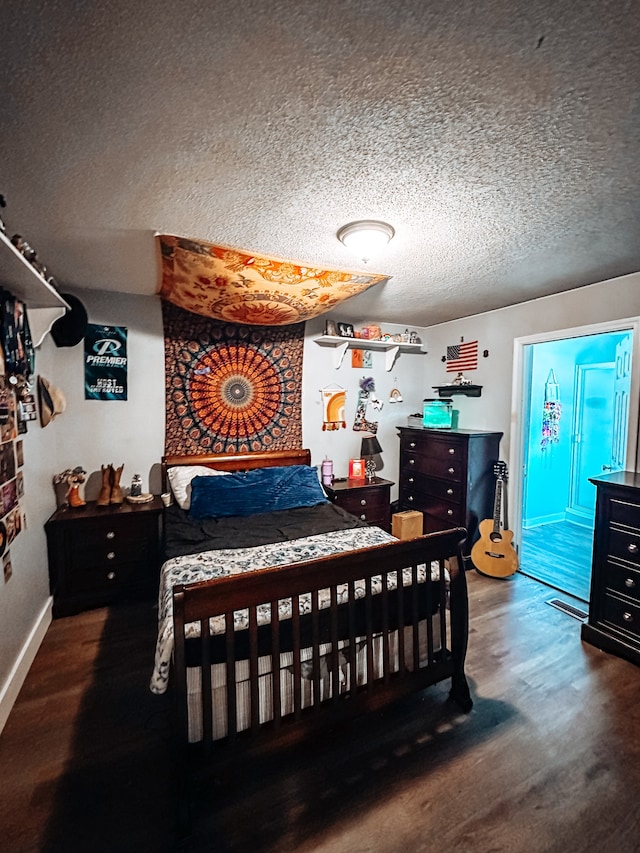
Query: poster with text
(105, 363)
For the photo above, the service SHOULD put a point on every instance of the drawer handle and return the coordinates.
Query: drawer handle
(449, 491)
(111, 535)
(363, 502)
(627, 616)
(411, 480)
(412, 462)
(452, 470)
(452, 450)
(412, 444)
(363, 517)
(111, 576)
(111, 555)
(632, 548)
(410, 498)
(449, 512)
(630, 583)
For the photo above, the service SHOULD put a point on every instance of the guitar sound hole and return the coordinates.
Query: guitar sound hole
(495, 536)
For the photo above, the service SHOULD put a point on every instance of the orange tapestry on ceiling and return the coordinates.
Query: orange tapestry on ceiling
(239, 287)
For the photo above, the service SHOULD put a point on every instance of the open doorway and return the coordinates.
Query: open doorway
(576, 408)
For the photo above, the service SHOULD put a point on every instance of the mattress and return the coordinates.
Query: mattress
(207, 565)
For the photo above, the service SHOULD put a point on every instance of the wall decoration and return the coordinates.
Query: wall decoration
(462, 356)
(105, 362)
(236, 286)
(366, 397)
(333, 400)
(357, 358)
(394, 395)
(551, 413)
(230, 388)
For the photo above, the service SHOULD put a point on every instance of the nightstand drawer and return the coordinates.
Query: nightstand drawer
(104, 580)
(359, 501)
(115, 552)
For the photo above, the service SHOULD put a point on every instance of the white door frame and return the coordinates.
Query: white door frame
(516, 454)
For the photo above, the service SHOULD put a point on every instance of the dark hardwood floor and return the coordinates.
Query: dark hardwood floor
(547, 760)
(559, 555)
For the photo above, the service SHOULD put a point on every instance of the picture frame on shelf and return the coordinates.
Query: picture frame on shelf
(345, 330)
(330, 329)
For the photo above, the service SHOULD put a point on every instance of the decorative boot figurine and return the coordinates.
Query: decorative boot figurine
(75, 480)
(117, 495)
(105, 492)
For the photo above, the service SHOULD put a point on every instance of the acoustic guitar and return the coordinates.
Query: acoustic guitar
(493, 554)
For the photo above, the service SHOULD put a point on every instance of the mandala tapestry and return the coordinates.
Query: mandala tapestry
(238, 287)
(230, 388)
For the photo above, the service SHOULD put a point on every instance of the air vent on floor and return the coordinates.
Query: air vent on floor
(567, 608)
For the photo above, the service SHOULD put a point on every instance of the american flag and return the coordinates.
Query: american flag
(462, 357)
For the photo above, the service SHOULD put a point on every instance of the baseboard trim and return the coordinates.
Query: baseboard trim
(21, 667)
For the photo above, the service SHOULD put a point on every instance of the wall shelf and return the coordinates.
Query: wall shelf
(44, 303)
(449, 390)
(390, 348)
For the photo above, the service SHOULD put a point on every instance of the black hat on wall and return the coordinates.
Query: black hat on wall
(69, 330)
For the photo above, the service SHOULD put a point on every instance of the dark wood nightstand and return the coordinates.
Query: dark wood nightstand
(101, 555)
(369, 500)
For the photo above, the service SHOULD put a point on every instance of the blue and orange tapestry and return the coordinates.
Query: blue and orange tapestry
(230, 388)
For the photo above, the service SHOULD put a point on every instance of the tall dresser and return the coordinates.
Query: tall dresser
(448, 476)
(614, 607)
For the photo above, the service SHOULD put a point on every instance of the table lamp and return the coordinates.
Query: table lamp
(370, 446)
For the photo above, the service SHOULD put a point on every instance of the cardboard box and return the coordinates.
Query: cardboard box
(406, 525)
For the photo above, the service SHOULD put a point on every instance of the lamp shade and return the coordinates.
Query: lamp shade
(370, 446)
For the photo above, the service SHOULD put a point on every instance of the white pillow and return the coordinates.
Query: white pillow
(180, 477)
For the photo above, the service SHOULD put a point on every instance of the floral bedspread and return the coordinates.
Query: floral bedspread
(214, 564)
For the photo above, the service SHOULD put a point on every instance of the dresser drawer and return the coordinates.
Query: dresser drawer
(625, 512)
(625, 545)
(622, 615)
(451, 514)
(103, 544)
(438, 447)
(623, 580)
(448, 490)
(448, 469)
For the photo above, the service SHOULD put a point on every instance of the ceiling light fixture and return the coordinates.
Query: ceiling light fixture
(366, 237)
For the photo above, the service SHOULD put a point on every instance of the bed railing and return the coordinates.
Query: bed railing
(359, 629)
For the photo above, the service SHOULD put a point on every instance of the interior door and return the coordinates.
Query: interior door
(593, 435)
(621, 388)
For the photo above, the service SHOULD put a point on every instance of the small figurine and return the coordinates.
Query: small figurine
(75, 480)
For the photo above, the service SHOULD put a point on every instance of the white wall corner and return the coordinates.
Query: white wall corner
(15, 680)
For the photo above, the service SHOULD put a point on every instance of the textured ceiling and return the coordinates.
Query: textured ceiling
(500, 139)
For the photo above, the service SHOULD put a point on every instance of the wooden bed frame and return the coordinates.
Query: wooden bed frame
(390, 641)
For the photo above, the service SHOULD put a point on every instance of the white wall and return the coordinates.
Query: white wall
(344, 444)
(496, 331)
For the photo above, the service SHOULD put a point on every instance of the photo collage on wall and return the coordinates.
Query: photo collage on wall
(16, 404)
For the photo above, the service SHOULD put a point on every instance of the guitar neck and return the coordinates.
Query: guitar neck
(497, 506)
